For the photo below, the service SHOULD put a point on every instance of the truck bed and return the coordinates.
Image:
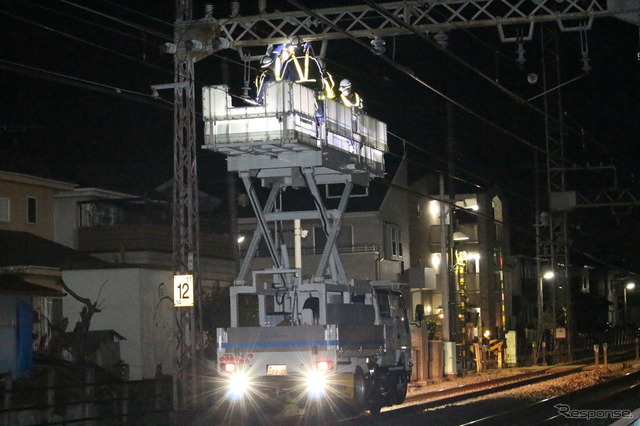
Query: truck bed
(349, 339)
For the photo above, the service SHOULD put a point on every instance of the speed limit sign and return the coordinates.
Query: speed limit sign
(182, 291)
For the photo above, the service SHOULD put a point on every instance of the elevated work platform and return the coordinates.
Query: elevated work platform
(292, 140)
(274, 140)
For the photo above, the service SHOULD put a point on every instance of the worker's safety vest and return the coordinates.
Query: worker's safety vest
(327, 87)
(306, 72)
(356, 103)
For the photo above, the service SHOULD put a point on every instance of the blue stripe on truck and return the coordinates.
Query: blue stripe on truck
(298, 343)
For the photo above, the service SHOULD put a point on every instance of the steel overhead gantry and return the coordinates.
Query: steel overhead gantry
(368, 21)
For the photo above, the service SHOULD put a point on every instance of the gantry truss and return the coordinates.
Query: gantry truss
(375, 19)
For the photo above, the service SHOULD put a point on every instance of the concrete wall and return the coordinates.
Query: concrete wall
(138, 304)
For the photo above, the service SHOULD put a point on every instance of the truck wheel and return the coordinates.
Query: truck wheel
(399, 388)
(360, 391)
(376, 398)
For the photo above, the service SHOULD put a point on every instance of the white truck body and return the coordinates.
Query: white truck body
(360, 332)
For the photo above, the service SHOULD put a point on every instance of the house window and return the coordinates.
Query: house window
(585, 285)
(394, 245)
(4, 209)
(32, 210)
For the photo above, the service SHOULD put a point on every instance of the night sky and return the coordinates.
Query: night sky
(77, 107)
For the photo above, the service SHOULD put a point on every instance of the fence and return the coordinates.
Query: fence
(614, 338)
(84, 396)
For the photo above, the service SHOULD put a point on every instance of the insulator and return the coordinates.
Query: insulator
(245, 91)
(262, 6)
(379, 45)
(208, 10)
(544, 219)
(520, 59)
(442, 39)
(235, 9)
(584, 50)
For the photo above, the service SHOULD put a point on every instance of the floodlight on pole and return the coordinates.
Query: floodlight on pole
(628, 286)
(546, 276)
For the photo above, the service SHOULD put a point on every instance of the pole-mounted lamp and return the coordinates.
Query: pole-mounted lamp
(548, 275)
(628, 286)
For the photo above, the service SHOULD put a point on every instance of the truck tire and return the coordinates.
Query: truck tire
(399, 388)
(360, 391)
(399, 383)
(376, 391)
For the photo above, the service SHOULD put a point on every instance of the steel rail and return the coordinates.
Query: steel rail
(546, 410)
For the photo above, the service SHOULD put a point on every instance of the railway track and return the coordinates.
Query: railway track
(457, 393)
(593, 404)
(461, 405)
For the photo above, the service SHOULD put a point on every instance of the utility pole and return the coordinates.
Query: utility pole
(444, 263)
(558, 252)
(185, 213)
(449, 293)
(451, 260)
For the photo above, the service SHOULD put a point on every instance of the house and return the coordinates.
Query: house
(134, 288)
(26, 203)
(31, 293)
(113, 249)
(30, 268)
(478, 234)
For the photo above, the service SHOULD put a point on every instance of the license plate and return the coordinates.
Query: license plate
(276, 370)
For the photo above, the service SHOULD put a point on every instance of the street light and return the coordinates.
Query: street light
(629, 286)
(546, 276)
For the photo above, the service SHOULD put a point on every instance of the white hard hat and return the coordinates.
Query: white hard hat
(345, 84)
(266, 61)
(296, 41)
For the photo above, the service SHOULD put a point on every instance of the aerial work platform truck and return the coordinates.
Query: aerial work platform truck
(320, 335)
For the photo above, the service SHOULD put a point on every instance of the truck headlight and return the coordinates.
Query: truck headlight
(316, 384)
(238, 385)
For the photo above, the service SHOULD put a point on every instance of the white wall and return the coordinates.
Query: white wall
(132, 306)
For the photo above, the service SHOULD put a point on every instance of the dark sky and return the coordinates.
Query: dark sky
(77, 105)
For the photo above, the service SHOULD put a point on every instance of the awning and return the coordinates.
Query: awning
(16, 285)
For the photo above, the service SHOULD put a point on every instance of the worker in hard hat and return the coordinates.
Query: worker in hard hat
(353, 101)
(349, 98)
(270, 69)
(266, 77)
(300, 65)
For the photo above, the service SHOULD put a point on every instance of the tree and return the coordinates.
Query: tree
(78, 341)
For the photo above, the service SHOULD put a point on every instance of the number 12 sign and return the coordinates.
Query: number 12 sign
(182, 291)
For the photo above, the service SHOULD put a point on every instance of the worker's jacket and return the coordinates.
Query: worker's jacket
(353, 100)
